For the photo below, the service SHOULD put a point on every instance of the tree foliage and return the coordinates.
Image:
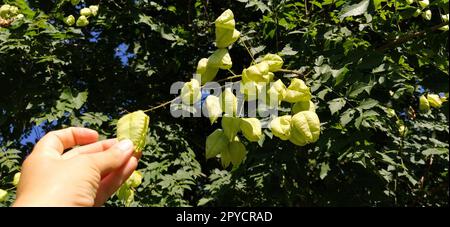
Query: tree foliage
(367, 62)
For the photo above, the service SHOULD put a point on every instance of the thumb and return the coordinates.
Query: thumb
(114, 157)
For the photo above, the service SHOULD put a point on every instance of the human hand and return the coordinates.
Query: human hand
(84, 176)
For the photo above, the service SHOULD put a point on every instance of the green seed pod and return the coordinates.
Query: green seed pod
(228, 101)
(86, 12)
(206, 72)
(212, 104)
(276, 93)
(82, 21)
(226, 37)
(190, 93)
(231, 126)
(20, 16)
(444, 18)
(125, 194)
(237, 152)
(274, 61)
(251, 129)
(427, 15)
(424, 3)
(434, 100)
(410, 2)
(75, 2)
(3, 195)
(4, 11)
(297, 91)
(94, 10)
(281, 127)
(220, 59)
(303, 106)
(70, 20)
(135, 179)
(134, 126)
(305, 128)
(444, 28)
(424, 105)
(216, 143)
(16, 179)
(417, 13)
(257, 72)
(225, 20)
(201, 65)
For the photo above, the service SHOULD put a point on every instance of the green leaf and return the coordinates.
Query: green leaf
(435, 151)
(324, 169)
(336, 104)
(347, 116)
(355, 10)
(367, 104)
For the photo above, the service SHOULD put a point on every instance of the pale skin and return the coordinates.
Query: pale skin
(86, 175)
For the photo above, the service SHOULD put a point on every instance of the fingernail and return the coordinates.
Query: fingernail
(125, 145)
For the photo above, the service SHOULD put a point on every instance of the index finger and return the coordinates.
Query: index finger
(59, 140)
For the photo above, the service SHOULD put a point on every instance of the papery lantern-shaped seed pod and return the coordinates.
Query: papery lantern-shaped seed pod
(190, 92)
(19, 16)
(86, 12)
(16, 179)
(82, 21)
(216, 143)
(274, 61)
(281, 127)
(201, 65)
(424, 3)
(427, 15)
(303, 106)
(445, 17)
(305, 128)
(231, 126)
(125, 194)
(70, 20)
(417, 13)
(4, 11)
(226, 20)
(13, 11)
(134, 126)
(213, 107)
(434, 100)
(206, 72)
(251, 129)
(237, 151)
(257, 72)
(424, 105)
(444, 28)
(135, 179)
(276, 93)
(297, 91)
(228, 101)
(410, 2)
(220, 59)
(226, 37)
(94, 10)
(3, 195)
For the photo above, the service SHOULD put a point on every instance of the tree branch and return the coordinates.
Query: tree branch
(408, 37)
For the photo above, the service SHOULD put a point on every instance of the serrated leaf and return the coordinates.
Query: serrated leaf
(336, 104)
(355, 10)
(367, 104)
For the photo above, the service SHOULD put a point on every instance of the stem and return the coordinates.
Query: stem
(248, 50)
